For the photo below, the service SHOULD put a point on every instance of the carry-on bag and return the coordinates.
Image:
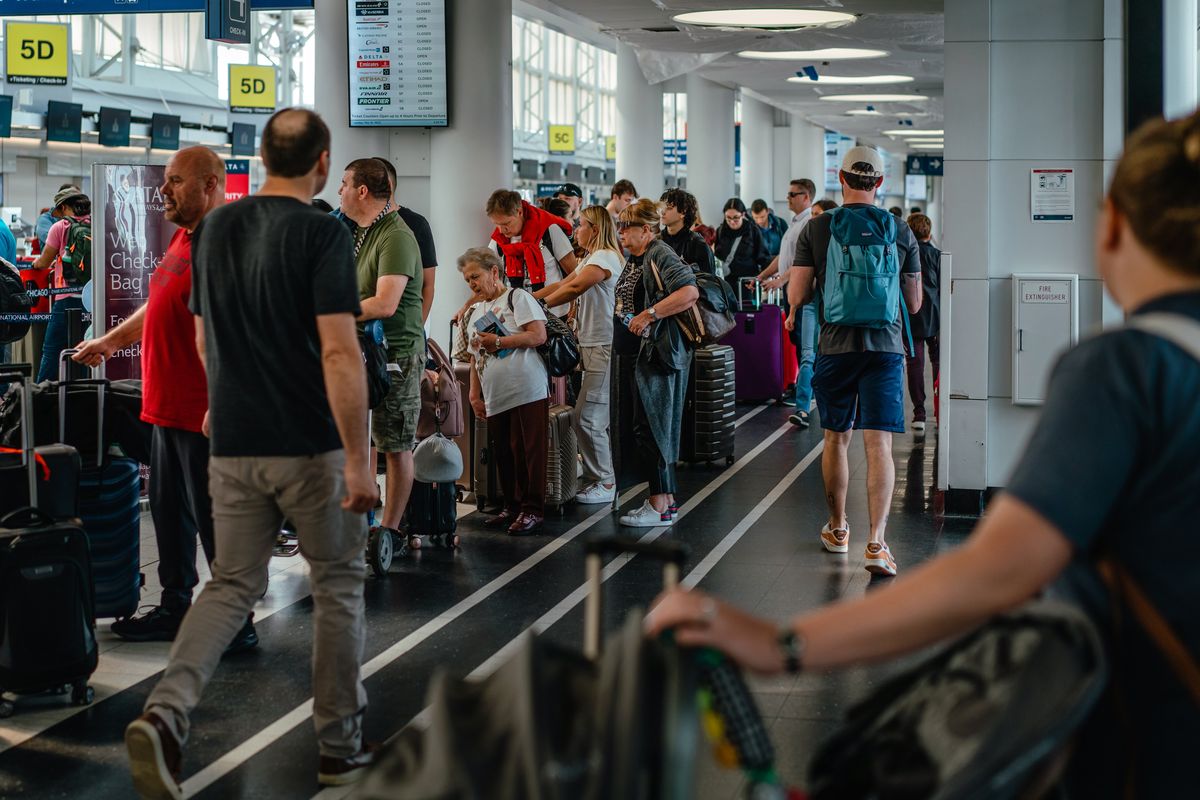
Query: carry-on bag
(46, 612)
(709, 410)
(433, 512)
(110, 509)
(562, 466)
(757, 342)
(46, 477)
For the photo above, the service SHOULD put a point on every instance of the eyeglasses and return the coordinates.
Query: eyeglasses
(734, 218)
(624, 226)
(796, 194)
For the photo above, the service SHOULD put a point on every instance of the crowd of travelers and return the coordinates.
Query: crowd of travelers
(257, 395)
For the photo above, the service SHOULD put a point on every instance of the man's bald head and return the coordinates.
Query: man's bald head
(293, 141)
(193, 185)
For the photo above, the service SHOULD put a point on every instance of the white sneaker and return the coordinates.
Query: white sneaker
(596, 493)
(918, 426)
(646, 517)
(835, 540)
(879, 560)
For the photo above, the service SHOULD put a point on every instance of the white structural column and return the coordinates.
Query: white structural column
(1180, 21)
(758, 156)
(639, 126)
(332, 95)
(710, 145)
(997, 131)
(808, 153)
(473, 157)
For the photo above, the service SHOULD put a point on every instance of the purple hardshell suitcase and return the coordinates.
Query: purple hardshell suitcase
(757, 342)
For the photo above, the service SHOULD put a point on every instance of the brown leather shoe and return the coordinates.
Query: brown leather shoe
(525, 524)
(341, 771)
(154, 758)
(501, 520)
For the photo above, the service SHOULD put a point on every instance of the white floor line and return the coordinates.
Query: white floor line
(751, 414)
(247, 749)
(576, 597)
(717, 553)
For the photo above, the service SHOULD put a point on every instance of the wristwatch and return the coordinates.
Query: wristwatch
(653, 314)
(791, 647)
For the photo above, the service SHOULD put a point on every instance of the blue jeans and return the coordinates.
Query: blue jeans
(56, 337)
(805, 338)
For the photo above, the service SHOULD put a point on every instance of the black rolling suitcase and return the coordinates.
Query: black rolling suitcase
(110, 508)
(433, 512)
(709, 409)
(53, 487)
(47, 637)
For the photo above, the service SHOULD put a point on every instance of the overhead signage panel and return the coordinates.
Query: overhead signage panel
(562, 139)
(397, 63)
(6, 107)
(24, 8)
(924, 165)
(242, 139)
(37, 54)
(227, 21)
(114, 127)
(164, 132)
(64, 122)
(251, 89)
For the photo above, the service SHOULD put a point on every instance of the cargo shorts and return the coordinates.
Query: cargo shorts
(394, 423)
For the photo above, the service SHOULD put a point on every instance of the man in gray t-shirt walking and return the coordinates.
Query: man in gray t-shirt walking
(858, 379)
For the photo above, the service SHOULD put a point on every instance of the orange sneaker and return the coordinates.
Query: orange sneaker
(836, 540)
(879, 560)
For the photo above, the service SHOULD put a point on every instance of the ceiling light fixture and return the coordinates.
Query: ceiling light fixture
(782, 19)
(828, 54)
(927, 147)
(851, 79)
(864, 112)
(937, 140)
(913, 132)
(874, 98)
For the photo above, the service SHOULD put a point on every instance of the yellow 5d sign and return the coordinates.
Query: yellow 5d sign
(37, 53)
(251, 89)
(610, 148)
(562, 139)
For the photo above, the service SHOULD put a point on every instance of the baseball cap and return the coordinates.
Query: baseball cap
(863, 155)
(570, 190)
(66, 194)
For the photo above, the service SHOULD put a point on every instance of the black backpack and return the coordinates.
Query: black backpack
(560, 351)
(14, 299)
(375, 362)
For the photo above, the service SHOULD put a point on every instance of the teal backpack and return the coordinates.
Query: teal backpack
(862, 270)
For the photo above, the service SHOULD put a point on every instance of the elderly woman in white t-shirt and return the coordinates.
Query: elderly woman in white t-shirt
(594, 286)
(509, 387)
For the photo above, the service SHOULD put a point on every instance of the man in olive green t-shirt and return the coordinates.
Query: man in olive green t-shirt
(390, 279)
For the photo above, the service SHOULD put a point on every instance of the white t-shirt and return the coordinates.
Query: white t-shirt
(787, 246)
(520, 377)
(560, 247)
(596, 305)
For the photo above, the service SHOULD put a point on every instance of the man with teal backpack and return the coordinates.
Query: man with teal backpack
(865, 271)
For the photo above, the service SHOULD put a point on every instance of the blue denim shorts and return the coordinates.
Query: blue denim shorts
(860, 390)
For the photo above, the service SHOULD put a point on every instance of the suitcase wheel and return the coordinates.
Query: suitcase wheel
(445, 541)
(82, 694)
(380, 550)
(728, 461)
(414, 542)
(7, 707)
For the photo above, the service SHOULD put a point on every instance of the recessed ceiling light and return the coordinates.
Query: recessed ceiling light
(863, 112)
(851, 79)
(874, 98)
(926, 141)
(767, 18)
(828, 54)
(913, 132)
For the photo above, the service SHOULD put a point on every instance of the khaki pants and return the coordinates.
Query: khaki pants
(251, 496)
(591, 416)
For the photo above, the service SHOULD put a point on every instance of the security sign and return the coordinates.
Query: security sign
(562, 139)
(38, 54)
(251, 89)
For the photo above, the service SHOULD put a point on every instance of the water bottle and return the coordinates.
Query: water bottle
(629, 318)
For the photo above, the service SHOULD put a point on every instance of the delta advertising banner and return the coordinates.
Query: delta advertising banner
(237, 179)
(130, 234)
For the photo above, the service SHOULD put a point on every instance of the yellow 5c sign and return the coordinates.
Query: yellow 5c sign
(562, 139)
(251, 89)
(37, 53)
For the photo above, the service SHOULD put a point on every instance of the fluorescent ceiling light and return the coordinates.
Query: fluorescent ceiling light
(913, 132)
(767, 18)
(927, 147)
(875, 98)
(926, 141)
(850, 79)
(864, 112)
(828, 54)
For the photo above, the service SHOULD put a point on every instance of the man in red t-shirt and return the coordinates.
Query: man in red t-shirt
(174, 401)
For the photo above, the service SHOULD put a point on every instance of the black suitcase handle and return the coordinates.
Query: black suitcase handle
(27, 517)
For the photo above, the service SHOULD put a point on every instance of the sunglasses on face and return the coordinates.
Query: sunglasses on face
(795, 194)
(737, 218)
(625, 226)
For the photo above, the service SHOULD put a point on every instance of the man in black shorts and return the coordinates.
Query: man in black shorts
(858, 379)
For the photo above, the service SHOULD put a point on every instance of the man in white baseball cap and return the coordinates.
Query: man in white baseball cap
(858, 378)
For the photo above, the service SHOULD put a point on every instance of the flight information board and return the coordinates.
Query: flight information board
(397, 59)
